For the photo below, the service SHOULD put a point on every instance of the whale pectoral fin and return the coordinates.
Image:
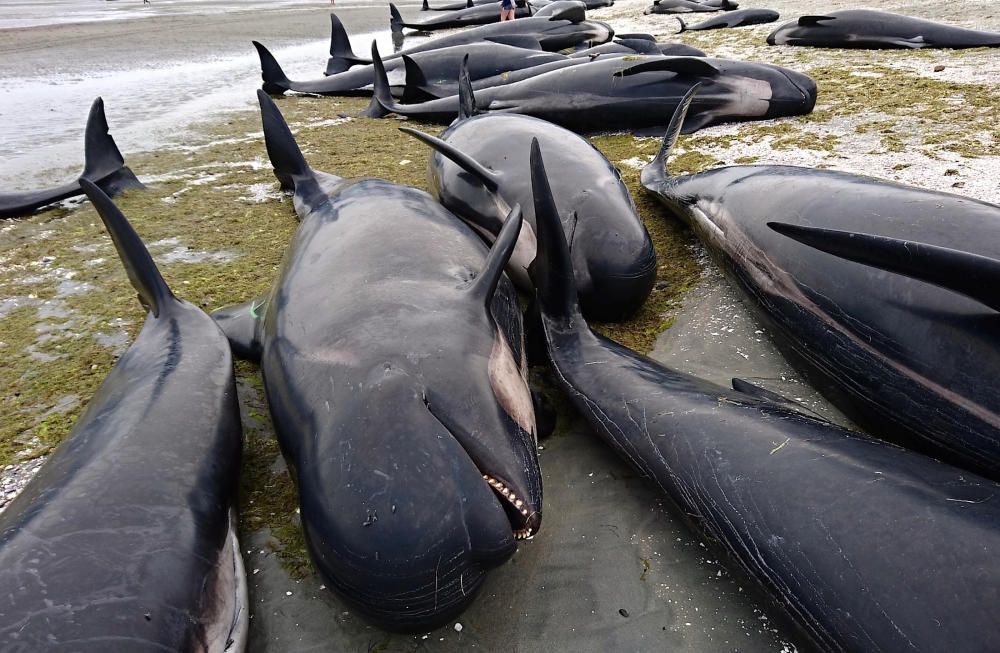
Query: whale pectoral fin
(242, 325)
(805, 21)
(747, 388)
(488, 178)
(915, 42)
(694, 66)
(975, 276)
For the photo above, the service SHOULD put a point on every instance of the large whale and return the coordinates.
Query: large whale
(126, 540)
(466, 17)
(477, 159)
(738, 18)
(392, 354)
(869, 547)
(631, 93)
(103, 165)
(865, 28)
(486, 59)
(902, 357)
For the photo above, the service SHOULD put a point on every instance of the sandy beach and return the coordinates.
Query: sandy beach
(614, 567)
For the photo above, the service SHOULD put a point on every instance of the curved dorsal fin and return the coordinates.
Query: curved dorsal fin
(466, 96)
(153, 291)
(486, 283)
(656, 170)
(806, 21)
(975, 276)
(683, 24)
(489, 178)
(680, 65)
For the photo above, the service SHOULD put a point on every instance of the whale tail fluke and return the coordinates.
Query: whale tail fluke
(342, 57)
(656, 170)
(552, 269)
(153, 291)
(275, 81)
(972, 275)
(286, 157)
(683, 25)
(382, 101)
(104, 164)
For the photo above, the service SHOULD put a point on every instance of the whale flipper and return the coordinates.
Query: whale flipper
(242, 324)
(977, 277)
(754, 390)
(489, 178)
(466, 96)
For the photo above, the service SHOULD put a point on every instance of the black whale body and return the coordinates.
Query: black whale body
(125, 539)
(391, 349)
(903, 358)
(467, 17)
(103, 166)
(868, 29)
(859, 540)
(688, 7)
(738, 18)
(485, 60)
(630, 93)
(613, 256)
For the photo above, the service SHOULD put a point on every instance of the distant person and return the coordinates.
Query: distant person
(506, 10)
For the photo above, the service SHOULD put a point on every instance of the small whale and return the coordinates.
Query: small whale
(868, 29)
(909, 353)
(126, 538)
(856, 539)
(738, 18)
(392, 351)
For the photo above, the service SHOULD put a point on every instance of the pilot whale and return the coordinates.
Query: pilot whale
(103, 165)
(738, 18)
(476, 159)
(907, 354)
(630, 93)
(391, 347)
(858, 540)
(126, 538)
(865, 28)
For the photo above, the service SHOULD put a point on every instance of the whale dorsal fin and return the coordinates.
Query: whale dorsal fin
(486, 282)
(656, 170)
(382, 101)
(396, 23)
(693, 66)
(466, 96)
(806, 21)
(975, 276)
(552, 269)
(488, 178)
(153, 291)
(416, 82)
(683, 24)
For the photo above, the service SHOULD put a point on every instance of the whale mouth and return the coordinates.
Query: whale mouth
(513, 503)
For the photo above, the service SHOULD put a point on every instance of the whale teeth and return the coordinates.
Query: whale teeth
(522, 534)
(519, 503)
(511, 497)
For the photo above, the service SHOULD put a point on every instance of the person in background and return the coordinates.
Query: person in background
(506, 10)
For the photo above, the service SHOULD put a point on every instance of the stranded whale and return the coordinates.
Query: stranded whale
(864, 28)
(857, 539)
(392, 353)
(903, 358)
(126, 537)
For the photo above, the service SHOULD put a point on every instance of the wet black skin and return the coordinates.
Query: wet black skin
(738, 18)
(103, 165)
(608, 95)
(683, 7)
(863, 28)
(485, 60)
(124, 540)
(906, 360)
(869, 547)
(613, 257)
(552, 32)
(468, 17)
(375, 351)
